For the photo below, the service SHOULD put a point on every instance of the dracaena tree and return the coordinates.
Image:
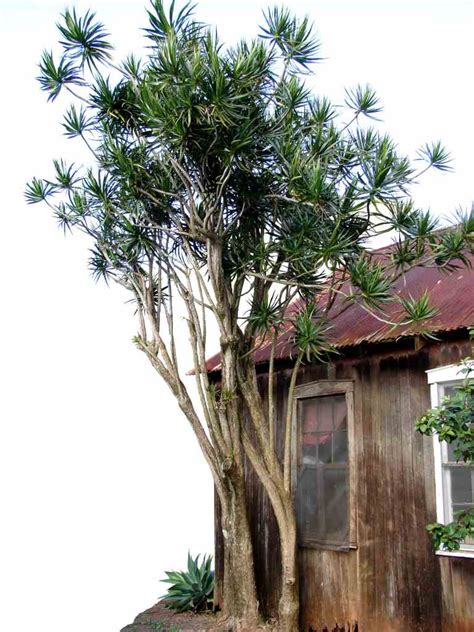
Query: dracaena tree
(220, 185)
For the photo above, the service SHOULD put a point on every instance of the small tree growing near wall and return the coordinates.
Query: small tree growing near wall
(453, 422)
(221, 186)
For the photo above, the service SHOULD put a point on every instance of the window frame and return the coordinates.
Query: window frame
(323, 388)
(438, 378)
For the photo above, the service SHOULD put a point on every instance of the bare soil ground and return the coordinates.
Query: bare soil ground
(161, 619)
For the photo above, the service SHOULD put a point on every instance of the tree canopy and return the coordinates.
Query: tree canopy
(204, 141)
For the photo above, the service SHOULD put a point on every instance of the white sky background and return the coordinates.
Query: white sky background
(102, 484)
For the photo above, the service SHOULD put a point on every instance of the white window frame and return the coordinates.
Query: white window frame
(442, 376)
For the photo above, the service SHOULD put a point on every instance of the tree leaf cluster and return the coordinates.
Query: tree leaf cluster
(201, 143)
(453, 420)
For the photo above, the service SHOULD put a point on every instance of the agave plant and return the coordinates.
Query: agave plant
(192, 589)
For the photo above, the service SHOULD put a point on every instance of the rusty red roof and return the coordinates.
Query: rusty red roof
(451, 293)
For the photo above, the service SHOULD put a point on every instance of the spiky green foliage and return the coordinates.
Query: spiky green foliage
(84, 39)
(38, 191)
(311, 334)
(418, 311)
(266, 316)
(163, 24)
(436, 156)
(201, 140)
(199, 144)
(191, 589)
(370, 280)
(294, 38)
(54, 76)
(363, 100)
(76, 122)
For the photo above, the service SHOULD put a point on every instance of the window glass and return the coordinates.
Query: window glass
(461, 485)
(458, 477)
(322, 476)
(450, 448)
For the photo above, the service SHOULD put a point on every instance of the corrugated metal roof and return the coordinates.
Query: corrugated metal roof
(451, 293)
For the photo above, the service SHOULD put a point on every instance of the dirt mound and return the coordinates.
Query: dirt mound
(161, 619)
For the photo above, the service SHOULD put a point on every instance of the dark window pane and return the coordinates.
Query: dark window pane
(461, 485)
(458, 508)
(451, 447)
(322, 482)
(317, 416)
(309, 447)
(335, 501)
(324, 448)
(339, 447)
(449, 391)
(306, 501)
(339, 412)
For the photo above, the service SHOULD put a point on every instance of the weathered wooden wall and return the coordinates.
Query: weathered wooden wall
(393, 581)
(457, 576)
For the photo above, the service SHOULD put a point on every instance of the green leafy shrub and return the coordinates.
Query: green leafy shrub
(192, 589)
(453, 422)
(450, 536)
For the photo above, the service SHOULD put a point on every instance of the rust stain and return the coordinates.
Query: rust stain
(451, 293)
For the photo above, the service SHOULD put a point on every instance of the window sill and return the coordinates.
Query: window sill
(328, 546)
(461, 553)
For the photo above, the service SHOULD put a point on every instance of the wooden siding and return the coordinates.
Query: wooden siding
(458, 594)
(392, 581)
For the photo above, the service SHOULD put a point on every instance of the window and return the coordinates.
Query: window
(454, 480)
(321, 465)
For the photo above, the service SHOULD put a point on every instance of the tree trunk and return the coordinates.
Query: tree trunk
(270, 473)
(240, 604)
(289, 604)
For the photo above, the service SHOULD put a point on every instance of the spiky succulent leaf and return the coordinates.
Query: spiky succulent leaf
(66, 175)
(76, 122)
(54, 76)
(267, 315)
(371, 280)
(294, 38)
(191, 589)
(84, 39)
(38, 190)
(311, 331)
(363, 100)
(163, 24)
(451, 249)
(436, 156)
(418, 311)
